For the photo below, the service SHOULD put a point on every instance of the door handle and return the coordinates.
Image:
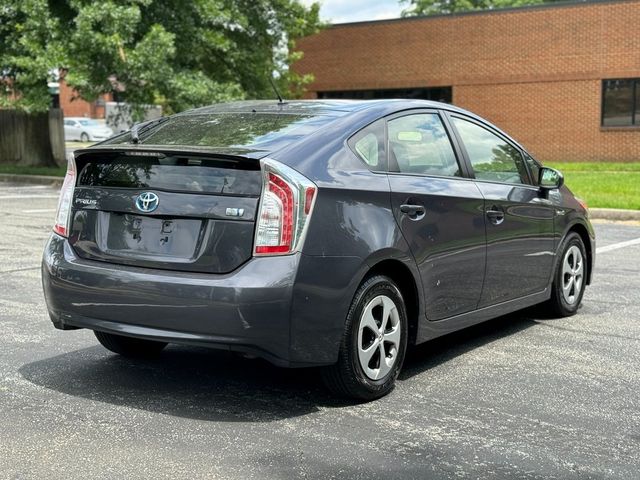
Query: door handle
(412, 210)
(495, 215)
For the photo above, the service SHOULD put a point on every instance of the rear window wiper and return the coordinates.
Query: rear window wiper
(140, 127)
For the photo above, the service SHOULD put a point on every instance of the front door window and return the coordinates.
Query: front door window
(491, 157)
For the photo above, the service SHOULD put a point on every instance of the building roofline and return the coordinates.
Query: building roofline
(495, 11)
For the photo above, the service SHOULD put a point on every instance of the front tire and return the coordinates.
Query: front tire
(570, 277)
(128, 346)
(84, 137)
(374, 342)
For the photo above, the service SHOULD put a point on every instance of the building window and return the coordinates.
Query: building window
(621, 103)
(438, 94)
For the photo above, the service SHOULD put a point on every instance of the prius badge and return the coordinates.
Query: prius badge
(147, 202)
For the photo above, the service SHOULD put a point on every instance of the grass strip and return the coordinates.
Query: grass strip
(603, 184)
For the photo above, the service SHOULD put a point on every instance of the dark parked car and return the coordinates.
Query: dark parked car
(311, 233)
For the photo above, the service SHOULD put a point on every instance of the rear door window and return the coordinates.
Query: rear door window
(419, 143)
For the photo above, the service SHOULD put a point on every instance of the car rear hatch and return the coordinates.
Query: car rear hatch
(170, 210)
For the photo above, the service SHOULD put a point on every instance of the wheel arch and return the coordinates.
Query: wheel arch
(582, 230)
(402, 276)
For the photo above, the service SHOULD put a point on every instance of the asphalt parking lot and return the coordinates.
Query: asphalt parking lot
(523, 396)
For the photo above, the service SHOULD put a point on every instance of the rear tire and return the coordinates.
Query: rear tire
(569, 279)
(374, 342)
(84, 137)
(128, 346)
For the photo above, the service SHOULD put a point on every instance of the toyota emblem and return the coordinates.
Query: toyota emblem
(147, 202)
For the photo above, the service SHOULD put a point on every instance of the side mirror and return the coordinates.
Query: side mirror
(550, 179)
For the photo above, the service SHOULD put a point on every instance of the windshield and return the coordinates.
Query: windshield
(267, 131)
(89, 123)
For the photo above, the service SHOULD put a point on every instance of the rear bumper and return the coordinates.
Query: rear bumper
(247, 310)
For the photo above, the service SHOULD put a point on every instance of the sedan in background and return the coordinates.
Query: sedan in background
(331, 234)
(85, 129)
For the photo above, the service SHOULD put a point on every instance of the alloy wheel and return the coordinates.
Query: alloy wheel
(379, 335)
(572, 274)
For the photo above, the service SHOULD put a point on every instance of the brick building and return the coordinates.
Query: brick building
(74, 106)
(563, 79)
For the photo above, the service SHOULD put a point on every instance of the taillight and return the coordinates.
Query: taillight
(61, 227)
(286, 204)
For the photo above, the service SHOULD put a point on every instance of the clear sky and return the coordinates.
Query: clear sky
(341, 11)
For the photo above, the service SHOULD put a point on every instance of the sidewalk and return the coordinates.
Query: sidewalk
(31, 179)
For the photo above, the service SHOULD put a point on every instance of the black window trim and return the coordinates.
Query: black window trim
(500, 135)
(634, 110)
(384, 167)
(456, 142)
(535, 181)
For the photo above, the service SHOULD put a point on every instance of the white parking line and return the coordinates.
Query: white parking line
(5, 188)
(29, 197)
(40, 210)
(616, 246)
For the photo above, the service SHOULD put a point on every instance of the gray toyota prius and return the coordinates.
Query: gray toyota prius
(311, 233)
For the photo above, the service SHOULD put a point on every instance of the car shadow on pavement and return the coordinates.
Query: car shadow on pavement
(212, 385)
(191, 382)
(440, 350)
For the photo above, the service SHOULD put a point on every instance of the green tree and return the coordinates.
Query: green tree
(29, 51)
(435, 7)
(177, 53)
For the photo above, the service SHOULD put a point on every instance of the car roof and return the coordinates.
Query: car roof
(338, 109)
(335, 112)
(318, 107)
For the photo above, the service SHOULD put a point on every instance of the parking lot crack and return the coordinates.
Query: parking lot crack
(2, 272)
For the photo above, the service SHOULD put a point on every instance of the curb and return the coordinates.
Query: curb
(32, 179)
(595, 213)
(614, 214)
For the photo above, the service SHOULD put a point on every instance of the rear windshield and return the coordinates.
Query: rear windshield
(174, 173)
(256, 131)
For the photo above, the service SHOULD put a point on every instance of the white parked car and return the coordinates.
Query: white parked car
(85, 129)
